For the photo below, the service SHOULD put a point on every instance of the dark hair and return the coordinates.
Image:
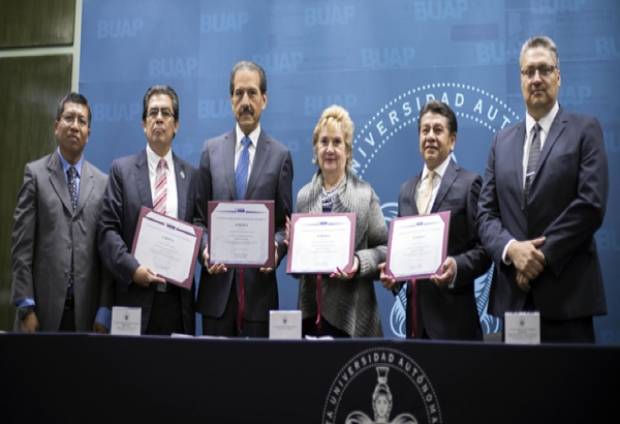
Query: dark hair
(161, 89)
(250, 66)
(72, 97)
(440, 108)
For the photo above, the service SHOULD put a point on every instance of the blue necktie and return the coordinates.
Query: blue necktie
(241, 173)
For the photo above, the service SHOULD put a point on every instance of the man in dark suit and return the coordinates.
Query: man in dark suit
(58, 281)
(232, 307)
(158, 179)
(445, 306)
(543, 198)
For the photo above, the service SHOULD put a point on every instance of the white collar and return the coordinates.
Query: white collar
(440, 170)
(545, 122)
(153, 158)
(253, 136)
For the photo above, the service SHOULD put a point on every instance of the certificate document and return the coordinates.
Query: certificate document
(241, 233)
(167, 246)
(417, 245)
(319, 243)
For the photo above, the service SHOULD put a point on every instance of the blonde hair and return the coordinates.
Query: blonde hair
(331, 117)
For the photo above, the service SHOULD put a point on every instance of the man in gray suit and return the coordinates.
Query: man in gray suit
(156, 178)
(231, 306)
(58, 283)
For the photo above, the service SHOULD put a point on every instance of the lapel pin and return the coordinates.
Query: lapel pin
(182, 175)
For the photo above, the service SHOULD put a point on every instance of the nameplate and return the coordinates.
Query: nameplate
(126, 321)
(522, 327)
(284, 325)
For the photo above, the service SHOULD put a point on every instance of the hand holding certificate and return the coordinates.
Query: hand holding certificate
(167, 246)
(321, 243)
(241, 233)
(417, 245)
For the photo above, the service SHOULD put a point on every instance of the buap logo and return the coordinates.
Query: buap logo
(381, 385)
(395, 123)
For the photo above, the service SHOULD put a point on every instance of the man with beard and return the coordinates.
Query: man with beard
(243, 164)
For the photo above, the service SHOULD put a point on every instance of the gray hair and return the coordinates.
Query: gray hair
(541, 41)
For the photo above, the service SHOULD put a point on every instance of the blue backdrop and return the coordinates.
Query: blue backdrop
(380, 60)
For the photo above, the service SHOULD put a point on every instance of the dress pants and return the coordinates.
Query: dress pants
(166, 313)
(226, 325)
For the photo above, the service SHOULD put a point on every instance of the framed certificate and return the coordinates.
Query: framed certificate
(241, 233)
(417, 245)
(167, 246)
(320, 243)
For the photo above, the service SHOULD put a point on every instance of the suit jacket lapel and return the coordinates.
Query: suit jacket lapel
(182, 186)
(446, 182)
(414, 204)
(58, 182)
(229, 158)
(142, 179)
(517, 146)
(260, 159)
(557, 127)
(86, 186)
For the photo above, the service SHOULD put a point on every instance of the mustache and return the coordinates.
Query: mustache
(246, 109)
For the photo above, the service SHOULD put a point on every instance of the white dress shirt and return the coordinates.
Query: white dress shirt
(152, 159)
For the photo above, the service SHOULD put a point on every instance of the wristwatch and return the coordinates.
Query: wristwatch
(24, 311)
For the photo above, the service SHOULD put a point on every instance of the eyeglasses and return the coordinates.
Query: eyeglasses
(165, 113)
(543, 71)
(70, 119)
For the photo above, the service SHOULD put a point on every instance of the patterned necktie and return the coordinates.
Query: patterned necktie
(425, 193)
(161, 189)
(532, 160)
(241, 173)
(72, 183)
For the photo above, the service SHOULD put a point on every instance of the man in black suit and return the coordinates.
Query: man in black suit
(158, 179)
(231, 307)
(445, 306)
(543, 198)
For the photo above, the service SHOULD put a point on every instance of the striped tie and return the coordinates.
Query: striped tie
(532, 160)
(161, 189)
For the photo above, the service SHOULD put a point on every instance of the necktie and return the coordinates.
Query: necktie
(161, 189)
(241, 173)
(425, 193)
(72, 183)
(532, 160)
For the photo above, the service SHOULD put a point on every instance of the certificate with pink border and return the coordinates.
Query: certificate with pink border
(241, 233)
(417, 245)
(167, 246)
(320, 243)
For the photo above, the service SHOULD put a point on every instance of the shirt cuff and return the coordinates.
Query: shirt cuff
(24, 303)
(104, 317)
(453, 282)
(505, 259)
